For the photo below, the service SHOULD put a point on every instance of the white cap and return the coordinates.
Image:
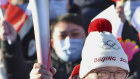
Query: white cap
(102, 49)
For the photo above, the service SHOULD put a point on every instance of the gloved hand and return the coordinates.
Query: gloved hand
(120, 11)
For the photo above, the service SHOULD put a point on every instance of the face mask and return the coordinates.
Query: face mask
(129, 8)
(57, 8)
(69, 49)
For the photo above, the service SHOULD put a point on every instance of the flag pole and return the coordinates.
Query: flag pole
(40, 13)
(122, 1)
(1, 15)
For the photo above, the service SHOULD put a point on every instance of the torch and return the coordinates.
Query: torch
(40, 13)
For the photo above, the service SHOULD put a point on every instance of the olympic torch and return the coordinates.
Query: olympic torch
(40, 13)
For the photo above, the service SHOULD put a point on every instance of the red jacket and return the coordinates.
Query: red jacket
(75, 72)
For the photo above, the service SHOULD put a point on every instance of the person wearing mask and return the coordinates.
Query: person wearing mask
(102, 56)
(67, 40)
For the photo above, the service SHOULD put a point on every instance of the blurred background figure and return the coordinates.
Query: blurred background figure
(60, 7)
(67, 40)
(125, 12)
(129, 8)
(90, 8)
(16, 16)
(12, 54)
(57, 8)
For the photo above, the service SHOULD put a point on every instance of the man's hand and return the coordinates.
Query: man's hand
(7, 32)
(120, 11)
(19, 2)
(39, 72)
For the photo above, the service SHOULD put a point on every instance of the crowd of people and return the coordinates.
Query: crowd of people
(75, 41)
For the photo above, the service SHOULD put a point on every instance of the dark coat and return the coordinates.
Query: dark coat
(64, 69)
(15, 65)
(130, 33)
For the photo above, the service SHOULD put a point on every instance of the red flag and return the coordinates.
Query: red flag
(122, 1)
(15, 16)
(4, 3)
(115, 0)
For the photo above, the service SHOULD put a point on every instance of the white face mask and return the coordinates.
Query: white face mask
(129, 8)
(69, 49)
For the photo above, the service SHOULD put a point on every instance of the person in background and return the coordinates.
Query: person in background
(24, 35)
(19, 16)
(67, 40)
(13, 61)
(102, 56)
(57, 8)
(129, 32)
(60, 7)
(90, 8)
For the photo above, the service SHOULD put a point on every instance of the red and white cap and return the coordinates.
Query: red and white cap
(101, 48)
